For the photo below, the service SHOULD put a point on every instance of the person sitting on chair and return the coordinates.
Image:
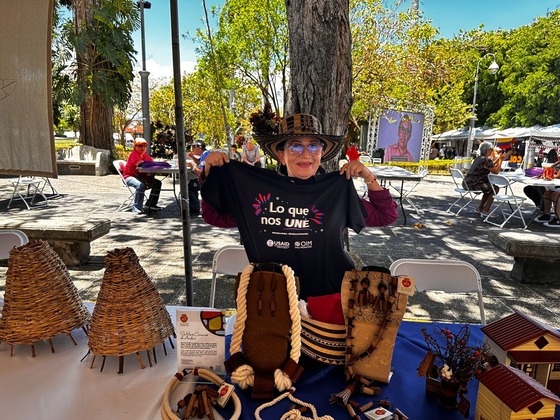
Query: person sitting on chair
(551, 196)
(477, 177)
(141, 182)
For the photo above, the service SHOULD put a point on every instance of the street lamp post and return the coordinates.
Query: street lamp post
(493, 68)
(144, 78)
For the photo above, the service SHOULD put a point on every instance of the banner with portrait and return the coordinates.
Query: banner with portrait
(400, 135)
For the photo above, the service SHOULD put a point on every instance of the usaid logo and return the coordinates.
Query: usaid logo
(277, 244)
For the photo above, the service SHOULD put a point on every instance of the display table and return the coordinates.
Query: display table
(60, 386)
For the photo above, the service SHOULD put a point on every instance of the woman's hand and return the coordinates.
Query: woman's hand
(355, 168)
(214, 159)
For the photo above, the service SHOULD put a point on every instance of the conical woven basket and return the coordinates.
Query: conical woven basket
(40, 300)
(130, 315)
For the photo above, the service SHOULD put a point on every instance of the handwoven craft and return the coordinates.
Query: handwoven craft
(373, 312)
(265, 345)
(129, 315)
(364, 344)
(40, 299)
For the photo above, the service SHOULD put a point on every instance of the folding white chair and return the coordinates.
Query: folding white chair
(129, 200)
(376, 161)
(450, 276)
(229, 260)
(466, 196)
(406, 192)
(10, 238)
(365, 159)
(505, 195)
(27, 189)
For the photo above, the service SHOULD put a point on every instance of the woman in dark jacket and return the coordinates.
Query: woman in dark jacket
(477, 177)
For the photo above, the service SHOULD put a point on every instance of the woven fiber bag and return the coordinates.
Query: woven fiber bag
(130, 315)
(265, 345)
(373, 309)
(40, 299)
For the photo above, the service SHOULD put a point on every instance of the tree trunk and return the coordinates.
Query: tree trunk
(96, 126)
(320, 61)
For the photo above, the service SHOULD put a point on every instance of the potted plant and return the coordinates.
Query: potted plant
(451, 361)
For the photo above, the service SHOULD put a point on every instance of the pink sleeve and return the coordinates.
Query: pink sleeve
(212, 217)
(381, 208)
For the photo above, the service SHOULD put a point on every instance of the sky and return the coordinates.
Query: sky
(449, 16)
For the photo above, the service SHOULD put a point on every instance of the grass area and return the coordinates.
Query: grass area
(65, 143)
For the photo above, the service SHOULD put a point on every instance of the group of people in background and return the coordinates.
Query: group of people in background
(489, 160)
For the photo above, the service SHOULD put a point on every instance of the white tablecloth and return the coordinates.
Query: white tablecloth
(59, 386)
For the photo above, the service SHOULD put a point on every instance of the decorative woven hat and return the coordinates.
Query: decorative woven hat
(323, 342)
(299, 125)
(40, 299)
(130, 315)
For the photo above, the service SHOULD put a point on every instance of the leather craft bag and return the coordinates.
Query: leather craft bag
(265, 345)
(373, 307)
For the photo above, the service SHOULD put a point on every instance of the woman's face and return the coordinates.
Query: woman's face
(302, 156)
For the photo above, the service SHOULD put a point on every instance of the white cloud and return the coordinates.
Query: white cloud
(158, 70)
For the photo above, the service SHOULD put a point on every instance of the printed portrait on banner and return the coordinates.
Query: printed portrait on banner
(400, 135)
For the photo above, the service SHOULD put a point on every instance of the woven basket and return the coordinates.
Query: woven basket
(40, 300)
(130, 315)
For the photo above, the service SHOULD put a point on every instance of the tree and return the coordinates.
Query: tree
(101, 36)
(251, 46)
(529, 88)
(320, 61)
(399, 63)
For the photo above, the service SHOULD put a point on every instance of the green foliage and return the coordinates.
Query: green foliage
(105, 51)
(65, 143)
(120, 153)
(251, 44)
(529, 88)
(398, 62)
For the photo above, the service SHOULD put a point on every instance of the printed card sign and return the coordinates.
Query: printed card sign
(406, 285)
(201, 340)
(379, 413)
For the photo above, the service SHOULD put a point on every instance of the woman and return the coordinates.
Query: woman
(298, 218)
(477, 177)
(251, 154)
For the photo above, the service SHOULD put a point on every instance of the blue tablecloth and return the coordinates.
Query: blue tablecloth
(406, 390)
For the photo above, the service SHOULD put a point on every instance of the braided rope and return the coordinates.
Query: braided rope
(293, 414)
(167, 412)
(281, 379)
(244, 375)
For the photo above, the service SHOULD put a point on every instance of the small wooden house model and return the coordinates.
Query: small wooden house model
(522, 342)
(508, 393)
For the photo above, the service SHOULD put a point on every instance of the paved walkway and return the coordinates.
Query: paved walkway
(157, 240)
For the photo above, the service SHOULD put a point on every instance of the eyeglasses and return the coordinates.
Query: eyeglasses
(142, 145)
(296, 149)
(405, 130)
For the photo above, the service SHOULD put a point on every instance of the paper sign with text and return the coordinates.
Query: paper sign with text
(201, 340)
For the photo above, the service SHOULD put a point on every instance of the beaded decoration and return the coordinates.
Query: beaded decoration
(370, 305)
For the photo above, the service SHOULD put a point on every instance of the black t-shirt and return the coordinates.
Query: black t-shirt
(289, 220)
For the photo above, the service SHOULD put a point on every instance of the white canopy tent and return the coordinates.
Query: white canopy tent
(538, 139)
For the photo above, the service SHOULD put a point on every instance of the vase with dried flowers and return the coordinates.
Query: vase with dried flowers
(450, 363)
